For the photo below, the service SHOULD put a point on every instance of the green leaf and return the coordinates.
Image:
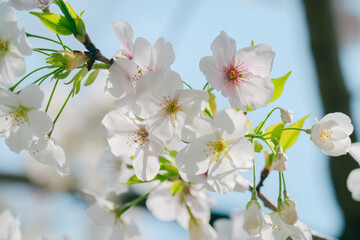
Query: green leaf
(288, 137)
(133, 180)
(279, 84)
(67, 10)
(275, 127)
(56, 23)
(257, 146)
(212, 104)
(92, 77)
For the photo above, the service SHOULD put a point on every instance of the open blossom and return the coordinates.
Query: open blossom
(167, 207)
(242, 76)
(200, 230)
(353, 180)
(288, 212)
(9, 226)
(217, 150)
(135, 60)
(129, 137)
(45, 151)
(165, 105)
(20, 119)
(231, 229)
(331, 134)
(115, 171)
(30, 4)
(254, 221)
(13, 45)
(279, 230)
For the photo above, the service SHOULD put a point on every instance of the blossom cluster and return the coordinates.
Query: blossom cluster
(163, 134)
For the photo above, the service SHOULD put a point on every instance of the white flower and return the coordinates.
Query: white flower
(135, 60)
(288, 212)
(165, 105)
(243, 76)
(353, 180)
(281, 231)
(30, 4)
(13, 45)
(20, 119)
(286, 115)
(115, 171)
(129, 137)
(254, 221)
(100, 213)
(200, 230)
(280, 159)
(217, 149)
(231, 229)
(9, 226)
(167, 207)
(45, 151)
(332, 133)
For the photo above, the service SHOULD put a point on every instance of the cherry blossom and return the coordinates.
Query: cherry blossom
(231, 229)
(20, 119)
(279, 230)
(30, 4)
(331, 134)
(167, 207)
(9, 226)
(254, 221)
(13, 45)
(242, 76)
(45, 151)
(217, 150)
(167, 107)
(135, 60)
(115, 171)
(130, 137)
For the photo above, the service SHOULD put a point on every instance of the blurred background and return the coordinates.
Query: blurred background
(317, 40)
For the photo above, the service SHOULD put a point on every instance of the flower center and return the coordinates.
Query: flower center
(325, 135)
(17, 117)
(139, 137)
(171, 107)
(276, 227)
(235, 73)
(216, 149)
(140, 72)
(3, 47)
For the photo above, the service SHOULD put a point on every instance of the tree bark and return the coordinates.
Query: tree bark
(335, 98)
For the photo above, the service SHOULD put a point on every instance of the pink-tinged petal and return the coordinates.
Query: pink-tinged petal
(340, 147)
(223, 48)
(160, 127)
(231, 122)
(222, 176)
(12, 66)
(31, 97)
(142, 54)
(39, 122)
(120, 144)
(353, 184)
(146, 163)
(125, 34)
(163, 54)
(162, 204)
(192, 159)
(22, 4)
(254, 91)
(355, 151)
(18, 138)
(242, 153)
(214, 72)
(257, 59)
(118, 121)
(122, 77)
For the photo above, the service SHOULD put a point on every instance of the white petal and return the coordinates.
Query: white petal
(31, 96)
(353, 184)
(142, 53)
(19, 137)
(242, 184)
(99, 216)
(146, 163)
(39, 122)
(120, 144)
(192, 101)
(213, 71)
(355, 151)
(118, 121)
(163, 54)
(224, 228)
(222, 176)
(192, 159)
(340, 147)
(232, 122)
(125, 34)
(160, 127)
(223, 48)
(242, 153)
(22, 44)
(12, 66)
(201, 127)
(22, 4)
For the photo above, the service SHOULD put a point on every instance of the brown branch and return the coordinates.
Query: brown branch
(95, 53)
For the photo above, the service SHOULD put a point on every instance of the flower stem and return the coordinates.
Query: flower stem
(17, 84)
(39, 51)
(62, 108)
(263, 122)
(254, 193)
(285, 129)
(48, 39)
(52, 93)
(280, 196)
(205, 86)
(61, 42)
(187, 84)
(283, 178)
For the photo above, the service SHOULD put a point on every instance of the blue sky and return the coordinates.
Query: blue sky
(191, 26)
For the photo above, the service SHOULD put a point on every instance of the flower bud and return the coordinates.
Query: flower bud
(279, 162)
(254, 218)
(286, 115)
(199, 230)
(288, 212)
